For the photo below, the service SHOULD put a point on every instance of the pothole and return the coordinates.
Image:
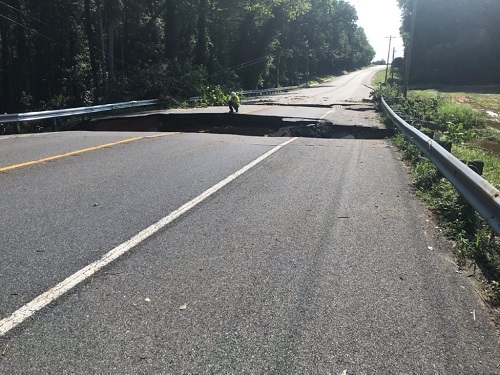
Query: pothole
(240, 124)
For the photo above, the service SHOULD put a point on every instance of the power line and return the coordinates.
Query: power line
(55, 29)
(236, 67)
(28, 28)
(30, 16)
(240, 66)
(60, 31)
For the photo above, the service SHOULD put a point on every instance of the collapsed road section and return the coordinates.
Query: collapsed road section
(241, 124)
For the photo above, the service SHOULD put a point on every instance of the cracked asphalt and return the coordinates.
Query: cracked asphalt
(316, 260)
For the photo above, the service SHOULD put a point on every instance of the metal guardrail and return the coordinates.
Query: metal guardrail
(269, 91)
(30, 116)
(58, 113)
(257, 92)
(481, 195)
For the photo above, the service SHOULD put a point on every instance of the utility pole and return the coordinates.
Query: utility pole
(408, 54)
(278, 71)
(388, 57)
(307, 70)
(392, 68)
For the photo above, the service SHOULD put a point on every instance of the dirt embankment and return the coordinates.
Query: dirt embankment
(350, 126)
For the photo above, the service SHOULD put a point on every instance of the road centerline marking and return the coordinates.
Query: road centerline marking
(257, 109)
(29, 309)
(77, 152)
(327, 113)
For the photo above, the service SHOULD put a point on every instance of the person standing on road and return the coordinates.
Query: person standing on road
(234, 102)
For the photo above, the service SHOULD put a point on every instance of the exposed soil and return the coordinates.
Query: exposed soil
(461, 99)
(242, 124)
(491, 146)
(494, 119)
(494, 124)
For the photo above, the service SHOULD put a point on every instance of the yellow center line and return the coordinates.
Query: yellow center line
(257, 109)
(25, 164)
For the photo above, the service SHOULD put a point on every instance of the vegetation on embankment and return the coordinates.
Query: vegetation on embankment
(485, 99)
(60, 54)
(465, 127)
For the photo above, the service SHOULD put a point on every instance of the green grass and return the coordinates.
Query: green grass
(491, 161)
(472, 141)
(461, 116)
(379, 77)
(486, 98)
(461, 119)
(318, 80)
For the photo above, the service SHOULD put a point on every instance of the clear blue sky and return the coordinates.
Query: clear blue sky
(380, 19)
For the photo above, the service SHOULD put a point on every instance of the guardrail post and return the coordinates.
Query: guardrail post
(18, 127)
(55, 124)
(481, 195)
(446, 145)
(477, 166)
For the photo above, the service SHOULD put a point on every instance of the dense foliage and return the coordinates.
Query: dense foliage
(455, 41)
(62, 53)
(453, 122)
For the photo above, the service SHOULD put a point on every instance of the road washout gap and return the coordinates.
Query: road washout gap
(240, 124)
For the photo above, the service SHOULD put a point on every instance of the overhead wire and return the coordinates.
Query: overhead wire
(28, 28)
(62, 32)
(29, 15)
(54, 28)
(239, 66)
(235, 67)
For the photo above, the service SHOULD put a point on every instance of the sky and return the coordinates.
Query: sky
(380, 19)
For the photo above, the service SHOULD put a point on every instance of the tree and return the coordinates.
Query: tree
(62, 53)
(455, 41)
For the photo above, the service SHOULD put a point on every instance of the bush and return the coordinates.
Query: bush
(389, 92)
(458, 123)
(214, 95)
(460, 114)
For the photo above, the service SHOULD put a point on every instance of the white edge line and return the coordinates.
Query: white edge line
(327, 113)
(69, 283)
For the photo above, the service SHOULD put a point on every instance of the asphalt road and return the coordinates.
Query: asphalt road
(292, 256)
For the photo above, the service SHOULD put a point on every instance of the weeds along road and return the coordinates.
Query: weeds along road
(237, 255)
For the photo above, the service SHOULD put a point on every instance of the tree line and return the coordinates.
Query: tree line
(66, 53)
(454, 41)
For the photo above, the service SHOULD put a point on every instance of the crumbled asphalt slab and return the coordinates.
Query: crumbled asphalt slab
(326, 129)
(350, 124)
